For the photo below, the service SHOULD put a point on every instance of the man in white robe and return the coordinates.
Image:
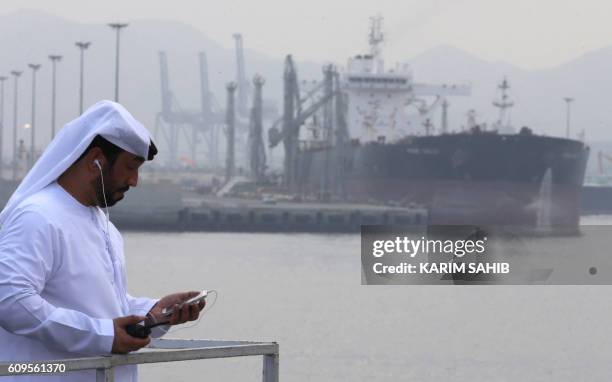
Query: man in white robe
(63, 289)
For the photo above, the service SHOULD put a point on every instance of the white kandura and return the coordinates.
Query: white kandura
(62, 266)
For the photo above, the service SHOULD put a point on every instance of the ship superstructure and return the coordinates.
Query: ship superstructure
(389, 104)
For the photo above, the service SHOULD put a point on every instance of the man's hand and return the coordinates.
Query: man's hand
(179, 316)
(124, 343)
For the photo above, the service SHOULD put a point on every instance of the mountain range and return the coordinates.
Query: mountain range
(29, 36)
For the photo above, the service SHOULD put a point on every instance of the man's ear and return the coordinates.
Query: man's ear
(95, 160)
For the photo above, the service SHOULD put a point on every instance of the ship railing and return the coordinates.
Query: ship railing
(160, 350)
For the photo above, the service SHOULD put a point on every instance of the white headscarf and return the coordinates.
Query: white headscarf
(107, 119)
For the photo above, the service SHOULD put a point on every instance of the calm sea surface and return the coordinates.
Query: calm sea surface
(304, 292)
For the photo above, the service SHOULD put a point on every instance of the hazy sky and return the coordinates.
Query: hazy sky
(527, 33)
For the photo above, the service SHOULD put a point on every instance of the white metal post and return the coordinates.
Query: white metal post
(270, 368)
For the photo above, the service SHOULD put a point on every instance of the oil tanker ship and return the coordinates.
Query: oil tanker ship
(479, 175)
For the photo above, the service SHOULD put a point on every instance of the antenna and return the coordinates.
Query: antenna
(503, 104)
(376, 38)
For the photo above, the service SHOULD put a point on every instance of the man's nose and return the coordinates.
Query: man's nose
(133, 180)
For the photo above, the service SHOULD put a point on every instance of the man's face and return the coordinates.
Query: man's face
(118, 178)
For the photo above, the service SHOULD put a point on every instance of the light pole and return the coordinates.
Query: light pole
(16, 74)
(82, 45)
(117, 27)
(2, 79)
(34, 68)
(54, 59)
(568, 101)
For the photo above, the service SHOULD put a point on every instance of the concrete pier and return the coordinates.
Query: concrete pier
(165, 208)
(257, 216)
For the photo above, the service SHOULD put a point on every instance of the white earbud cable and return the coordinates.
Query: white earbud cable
(104, 196)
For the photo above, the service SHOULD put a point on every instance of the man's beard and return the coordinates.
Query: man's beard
(109, 191)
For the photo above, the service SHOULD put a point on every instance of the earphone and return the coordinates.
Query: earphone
(97, 163)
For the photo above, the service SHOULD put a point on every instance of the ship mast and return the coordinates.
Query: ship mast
(376, 39)
(502, 125)
(445, 116)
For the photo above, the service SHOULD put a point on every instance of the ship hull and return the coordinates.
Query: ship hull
(520, 179)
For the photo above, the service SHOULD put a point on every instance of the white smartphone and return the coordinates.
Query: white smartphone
(167, 312)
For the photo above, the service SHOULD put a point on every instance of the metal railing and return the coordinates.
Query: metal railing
(164, 350)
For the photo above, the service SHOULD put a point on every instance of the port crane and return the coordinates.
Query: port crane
(178, 127)
(257, 150)
(242, 84)
(297, 108)
(174, 122)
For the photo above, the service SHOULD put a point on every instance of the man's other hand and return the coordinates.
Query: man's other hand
(179, 316)
(124, 343)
